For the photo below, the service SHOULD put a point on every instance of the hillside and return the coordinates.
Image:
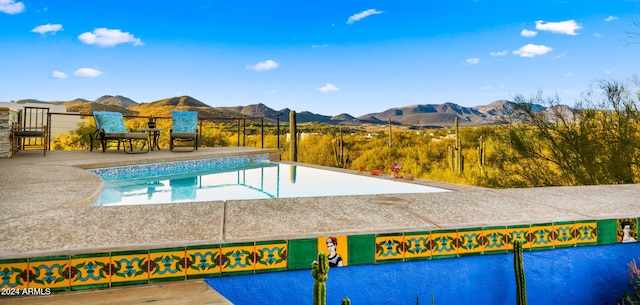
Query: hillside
(417, 115)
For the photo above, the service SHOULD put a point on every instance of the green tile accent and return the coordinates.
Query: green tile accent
(238, 272)
(167, 279)
(269, 270)
(606, 231)
(271, 242)
(200, 276)
(238, 245)
(91, 286)
(115, 284)
(88, 255)
(58, 289)
(362, 249)
(48, 258)
(12, 261)
(166, 250)
(301, 253)
(118, 253)
(212, 246)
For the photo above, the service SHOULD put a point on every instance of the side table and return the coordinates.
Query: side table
(154, 134)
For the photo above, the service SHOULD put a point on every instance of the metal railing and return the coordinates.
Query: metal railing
(239, 122)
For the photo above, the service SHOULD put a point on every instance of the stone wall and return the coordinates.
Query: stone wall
(7, 117)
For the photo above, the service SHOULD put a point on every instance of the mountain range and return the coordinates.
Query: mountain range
(420, 115)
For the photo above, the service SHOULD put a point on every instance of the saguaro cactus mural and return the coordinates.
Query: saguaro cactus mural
(320, 271)
(518, 266)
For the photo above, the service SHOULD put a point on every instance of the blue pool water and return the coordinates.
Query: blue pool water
(590, 275)
(254, 180)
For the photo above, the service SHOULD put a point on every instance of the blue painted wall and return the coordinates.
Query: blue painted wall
(583, 275)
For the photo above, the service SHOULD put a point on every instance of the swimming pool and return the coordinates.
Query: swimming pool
(254, 180)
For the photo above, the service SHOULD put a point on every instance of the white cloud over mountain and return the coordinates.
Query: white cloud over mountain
(568, 27)
(11, 7)
(328, 88)
(87, 72)
(109, 37)
(362, 15)
(264, 65)
(58, 74)
(528, 33)
(47, 28)
(532, 50)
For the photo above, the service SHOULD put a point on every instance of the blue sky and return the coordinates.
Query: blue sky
(327, 57)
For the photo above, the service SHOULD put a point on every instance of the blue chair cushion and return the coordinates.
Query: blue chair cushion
(184, 121)
(110, 122)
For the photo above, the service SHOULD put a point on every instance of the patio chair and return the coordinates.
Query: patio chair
(184, 129)
(110, 127)
(31, 132)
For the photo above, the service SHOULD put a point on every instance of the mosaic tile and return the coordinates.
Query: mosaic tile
(339, 245)
(564, 234)
(176, 167)
(167, 264)
(493, 240)
(203, 261)
(540, 236)
(390, 247)
(50, 272)
(90, 271)
(362, 249)
(131, 267)
(15, 273)
(442, 244)
(270, 255)
(468, 241)
(587, 232)
(301, 253)
(627, 230)
(519, 232)
(237, 258)
(418, 245)
(606, 231)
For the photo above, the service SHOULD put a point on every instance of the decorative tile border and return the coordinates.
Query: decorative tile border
(107, 269)
(176, 167)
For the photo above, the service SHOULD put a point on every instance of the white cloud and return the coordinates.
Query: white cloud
(87, 72)
(532, 50)
(568, 27)
(46, 28)
(11, 7)
(500, 53)
(316, 46)
(108, 38)
(597, 35)
(559, 56)
(528, 33)
(328, 88)
(611, 18)
(264, 65)
(58, 74)
(362, 15)
(473, 61)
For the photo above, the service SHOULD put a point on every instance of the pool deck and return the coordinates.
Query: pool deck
(46, 208)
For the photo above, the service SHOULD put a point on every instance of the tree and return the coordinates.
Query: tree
(596, 142)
